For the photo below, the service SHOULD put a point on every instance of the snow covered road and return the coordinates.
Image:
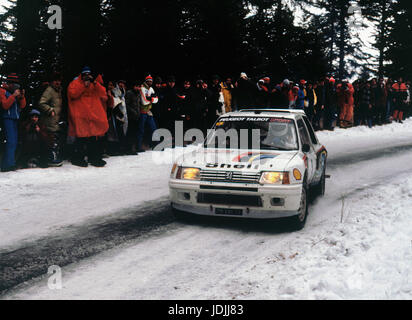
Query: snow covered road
(357, 243)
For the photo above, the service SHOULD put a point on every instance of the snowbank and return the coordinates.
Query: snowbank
(365, 255)
(35, 203)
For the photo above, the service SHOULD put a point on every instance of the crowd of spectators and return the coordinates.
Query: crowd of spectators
(100, 119)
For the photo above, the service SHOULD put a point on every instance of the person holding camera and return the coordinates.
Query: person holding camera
(12, 101)
(148, 98)
(87, 118)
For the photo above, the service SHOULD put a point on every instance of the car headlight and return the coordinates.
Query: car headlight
(188, 174)
(275, 178)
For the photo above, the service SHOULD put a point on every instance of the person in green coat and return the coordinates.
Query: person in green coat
(51, 107)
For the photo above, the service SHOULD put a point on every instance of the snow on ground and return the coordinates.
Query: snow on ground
(366, 139)
(34, 203)
(366, 256)
(37, 202)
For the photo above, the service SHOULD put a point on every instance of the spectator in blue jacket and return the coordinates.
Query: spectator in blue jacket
(12, 101)
(300, 101)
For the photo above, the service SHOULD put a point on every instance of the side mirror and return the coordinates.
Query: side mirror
(306, 148)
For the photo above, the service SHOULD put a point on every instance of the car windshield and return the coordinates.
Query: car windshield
(264, 133)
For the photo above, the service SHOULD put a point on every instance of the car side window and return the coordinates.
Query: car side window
(303, 133)
(311, 131)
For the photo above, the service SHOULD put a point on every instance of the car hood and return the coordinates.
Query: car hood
(237, 159)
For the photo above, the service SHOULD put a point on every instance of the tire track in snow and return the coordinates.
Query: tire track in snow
(78, 243)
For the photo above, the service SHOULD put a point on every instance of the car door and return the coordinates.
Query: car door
(320, 152)
(310, 157)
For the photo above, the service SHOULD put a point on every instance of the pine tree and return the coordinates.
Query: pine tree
(344, 49)
(281, 48)
(28, 46)
(399, 41)
(81, 36)
(381, 14)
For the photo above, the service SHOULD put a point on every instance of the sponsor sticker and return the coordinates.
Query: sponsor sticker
(252, 119)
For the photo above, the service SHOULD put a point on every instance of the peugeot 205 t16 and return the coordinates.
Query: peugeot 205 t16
(254, 164)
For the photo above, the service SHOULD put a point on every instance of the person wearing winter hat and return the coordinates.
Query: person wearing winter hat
(35, 142)
(159, 86)
(345, 93)
(331, 105)
(34, 113)
(170, 105)
(51, 106)
(215, 77)
(227, 88)
(293, 96)
(280, 95)
(86, 70)
(301, 95)
(148, 99)
(12, 101)
(120, 119)
(216, 99)
(87, 118)
(244, 92)
(400, 92)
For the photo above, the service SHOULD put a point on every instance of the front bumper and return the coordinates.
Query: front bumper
(273, 201)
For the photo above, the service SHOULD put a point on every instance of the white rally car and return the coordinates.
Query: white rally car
(254, 164)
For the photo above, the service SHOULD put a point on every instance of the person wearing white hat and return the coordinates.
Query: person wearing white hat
(244, 92)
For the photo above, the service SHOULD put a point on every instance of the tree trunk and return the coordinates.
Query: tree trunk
(342, 44)
(382, 39)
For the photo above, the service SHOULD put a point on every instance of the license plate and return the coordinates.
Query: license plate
(229, 212)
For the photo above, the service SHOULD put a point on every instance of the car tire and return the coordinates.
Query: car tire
(320, 189)
(298, 222)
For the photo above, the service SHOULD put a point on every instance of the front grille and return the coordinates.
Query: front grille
(230, 200)
(229, 176)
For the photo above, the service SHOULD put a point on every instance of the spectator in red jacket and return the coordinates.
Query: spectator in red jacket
(346, 102)
(87, 118)
(400, 92)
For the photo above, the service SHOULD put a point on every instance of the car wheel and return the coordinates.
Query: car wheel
(320, 189)
(298, 222)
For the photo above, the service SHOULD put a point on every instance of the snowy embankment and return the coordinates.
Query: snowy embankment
(361, 250)
(34, 203)
(357, 243)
